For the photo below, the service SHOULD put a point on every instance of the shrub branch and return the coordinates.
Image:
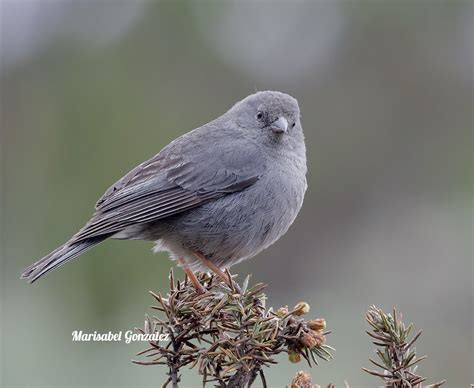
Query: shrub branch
(227, 334)
(397, 357)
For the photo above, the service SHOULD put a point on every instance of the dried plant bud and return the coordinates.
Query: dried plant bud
(294, 357)
(303, 379)
(312, 338)
(301, 308)
(317, 324)
(308, 341)
(281, 312)
(318, 337)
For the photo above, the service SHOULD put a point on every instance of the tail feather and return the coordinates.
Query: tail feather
(28, 270)
(59, 256)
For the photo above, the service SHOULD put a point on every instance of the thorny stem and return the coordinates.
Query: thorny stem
(227, 334)
(173, 364)
(243, 376)
(397, 357)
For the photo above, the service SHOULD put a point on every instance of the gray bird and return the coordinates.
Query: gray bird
(213, 197)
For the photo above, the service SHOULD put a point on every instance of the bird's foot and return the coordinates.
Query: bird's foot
(199, 287)
(226, 277)
(192, 277)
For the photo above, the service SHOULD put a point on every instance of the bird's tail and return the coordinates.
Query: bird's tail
(59, 256)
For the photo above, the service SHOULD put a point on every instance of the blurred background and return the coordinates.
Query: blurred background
(89, 89)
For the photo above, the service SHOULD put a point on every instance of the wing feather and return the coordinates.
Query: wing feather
(185, 174)
(146, 209)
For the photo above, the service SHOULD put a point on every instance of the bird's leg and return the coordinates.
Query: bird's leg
(209, 264)
(214, 268)
(197, 285)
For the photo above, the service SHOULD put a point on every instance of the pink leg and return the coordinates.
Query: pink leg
(214, 268)
(200, 289)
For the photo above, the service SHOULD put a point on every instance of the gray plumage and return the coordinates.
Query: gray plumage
(227, 190)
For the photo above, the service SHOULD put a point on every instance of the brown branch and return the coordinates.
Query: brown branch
(227, 334)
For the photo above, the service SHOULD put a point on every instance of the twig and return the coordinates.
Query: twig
(227, 334)
(397, 355)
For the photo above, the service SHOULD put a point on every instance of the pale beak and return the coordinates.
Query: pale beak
(280, 125)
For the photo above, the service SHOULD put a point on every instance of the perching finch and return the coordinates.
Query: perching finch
(213, 197)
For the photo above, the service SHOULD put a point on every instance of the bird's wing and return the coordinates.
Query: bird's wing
(194, 169)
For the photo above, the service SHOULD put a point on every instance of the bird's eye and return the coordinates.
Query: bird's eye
(293, 125)
(259, 115)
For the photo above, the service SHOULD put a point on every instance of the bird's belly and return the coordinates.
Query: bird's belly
(235, 227)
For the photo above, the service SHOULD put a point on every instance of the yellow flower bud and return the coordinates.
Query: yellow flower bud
(281, 312)
(317, 324)
(301, 308)
(294, 357)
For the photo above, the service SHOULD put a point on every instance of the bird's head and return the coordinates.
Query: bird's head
(274, 113)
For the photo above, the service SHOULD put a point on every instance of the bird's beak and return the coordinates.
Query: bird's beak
(280, 125)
